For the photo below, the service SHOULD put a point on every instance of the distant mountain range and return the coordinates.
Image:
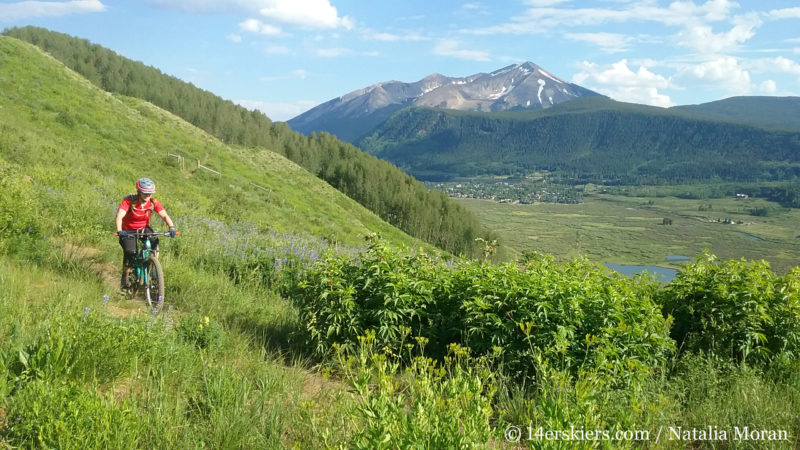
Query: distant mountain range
(521, 118)
(596, 139)
(515, 87)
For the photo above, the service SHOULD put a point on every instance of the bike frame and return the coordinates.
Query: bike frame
(141, 256)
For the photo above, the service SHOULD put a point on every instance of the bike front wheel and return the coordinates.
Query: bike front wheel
(154, 285)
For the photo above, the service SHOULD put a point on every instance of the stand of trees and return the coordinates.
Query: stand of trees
(379, 186)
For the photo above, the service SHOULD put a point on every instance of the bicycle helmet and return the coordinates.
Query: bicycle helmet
(145, 186)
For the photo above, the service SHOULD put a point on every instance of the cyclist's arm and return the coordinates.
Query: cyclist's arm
(163, 214)
(118, 220)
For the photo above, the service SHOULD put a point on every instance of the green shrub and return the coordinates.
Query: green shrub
(397, 295)
(735, 309)
(574, 314)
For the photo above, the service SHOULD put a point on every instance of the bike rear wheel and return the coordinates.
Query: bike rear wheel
(154, 286)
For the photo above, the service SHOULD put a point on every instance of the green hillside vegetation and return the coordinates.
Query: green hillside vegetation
(777, 113)
(62, 134)
(586, 140)
(379, 186)
(283, 328)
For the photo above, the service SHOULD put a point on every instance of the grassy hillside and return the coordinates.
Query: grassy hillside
(63, 134)
(595, 140)
(377, 185)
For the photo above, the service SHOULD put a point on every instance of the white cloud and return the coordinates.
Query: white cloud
(394, 37)
(302, 13)
(299, 73)
(256, 26)
(785, 13)
(621, 83)
(333, 52)
(211, 6)
(451, 48)
(305, 13)
(279, 111)
(723, 72)
(542, 3)
(702, 39)
(541, 18)
(783, 64)
(26, 10)
(609, 42)
(234, 38)
(769, 87)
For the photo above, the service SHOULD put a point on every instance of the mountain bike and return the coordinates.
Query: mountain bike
(146, 274)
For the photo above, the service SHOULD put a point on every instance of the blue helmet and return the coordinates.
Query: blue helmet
(145, 186)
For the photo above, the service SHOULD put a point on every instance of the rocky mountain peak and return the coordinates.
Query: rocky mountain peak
(517, 86)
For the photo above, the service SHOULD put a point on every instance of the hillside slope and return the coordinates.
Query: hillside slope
(379, 186)
(775, 113)
(592, 139)
(64, 135)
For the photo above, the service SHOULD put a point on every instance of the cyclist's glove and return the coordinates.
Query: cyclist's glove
(172, 232)
(122, 233)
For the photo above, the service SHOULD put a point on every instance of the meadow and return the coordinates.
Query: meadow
(631, 230)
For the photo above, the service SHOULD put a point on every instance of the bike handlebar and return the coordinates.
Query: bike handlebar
(147, 234)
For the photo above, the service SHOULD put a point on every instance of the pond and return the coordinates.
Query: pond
(676, 258)
(664, 274)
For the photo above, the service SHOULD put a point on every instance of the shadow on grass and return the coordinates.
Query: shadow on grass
(279, 339)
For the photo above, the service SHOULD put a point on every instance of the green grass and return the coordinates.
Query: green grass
(628, 230)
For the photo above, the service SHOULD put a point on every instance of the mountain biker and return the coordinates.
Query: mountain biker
(133, 215)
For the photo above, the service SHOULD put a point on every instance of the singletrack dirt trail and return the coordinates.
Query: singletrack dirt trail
(121, 304)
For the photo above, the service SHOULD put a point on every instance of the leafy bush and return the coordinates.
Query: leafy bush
(574, 314)
(735, 309)
(396, 295)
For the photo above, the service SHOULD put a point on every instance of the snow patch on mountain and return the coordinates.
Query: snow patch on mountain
(541, 88)
(543, 72)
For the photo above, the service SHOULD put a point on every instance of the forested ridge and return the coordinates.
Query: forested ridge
(381, 187)
(592, 140)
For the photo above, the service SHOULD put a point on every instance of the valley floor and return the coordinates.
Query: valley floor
(633, 230)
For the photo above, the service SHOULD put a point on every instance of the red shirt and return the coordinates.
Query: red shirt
(138, 215)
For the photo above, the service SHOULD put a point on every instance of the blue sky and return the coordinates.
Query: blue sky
(286, 56)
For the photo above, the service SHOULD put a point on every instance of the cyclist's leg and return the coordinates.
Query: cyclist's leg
(128, 244)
